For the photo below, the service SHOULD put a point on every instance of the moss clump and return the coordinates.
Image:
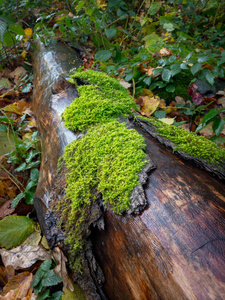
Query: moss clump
(137, 58)
(106, 160)
(102, 101)
(189, 142)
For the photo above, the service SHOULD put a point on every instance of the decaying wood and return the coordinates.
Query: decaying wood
(174, 249)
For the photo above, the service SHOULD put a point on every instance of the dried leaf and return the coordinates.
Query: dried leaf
(125, 84)
(168, 121)
(23, 256)
(6, 274)
(6, 209)
(165, 52)
(13, 108)
(146, 92)
(33, 239)
(23, 105)
(221, 101)
(149, 105)
(207, 131)
(19, 284)
(4, 83)
(61, 270)
(180, 100)
(44, 243)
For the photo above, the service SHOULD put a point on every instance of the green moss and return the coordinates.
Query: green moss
(137, 58)
(106, 160)
(102, 101)
(189, 142)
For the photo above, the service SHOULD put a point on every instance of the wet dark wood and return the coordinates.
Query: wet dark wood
(175, 248)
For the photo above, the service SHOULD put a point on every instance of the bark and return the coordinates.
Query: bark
(174, 249)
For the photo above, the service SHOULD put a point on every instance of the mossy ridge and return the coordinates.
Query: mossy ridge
(189, 142)
(102, 101)
(108, 160)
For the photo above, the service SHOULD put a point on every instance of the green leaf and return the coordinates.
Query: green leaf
(14, 230)
(210, 78)
(110, 33)
(159, 114)
(172, 58)
(33, 164)
(203, 59)
(17, 199)
(183, 66)
(50, 279)
(103, 55)
(29, 196)
(154, 8)
(26, 88)
(175, 69)
(45, 266)
(170, 88)
(44, 295)
(222, 59)
(143, 56)
(166, 75)
(218, 126)
(195, 68)
(6, 120)
(56, 296)
(157, 71)
(218, 71)
(169, 26)
(3, 127)
(207, 119)
(22, 167)
(153, 86)
(129, 77)
(8, 39)
(34, 175)
(189, 55)
(31, 155)
(147, 80)
(17, 29)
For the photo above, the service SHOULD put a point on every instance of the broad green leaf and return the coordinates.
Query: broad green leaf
(17, 29)
(218, 126)
(44, 295)
(3, 128)
(154, 8)
(129, 77)
(57, 296)
(26, 88)
(17, 199)
(207, 119)
(157, 71)
(172, 58)
(6, 120)
(21, 167)
(147, 80)
(34, 175)
(110, 33)
(14, 230)
(31, 155)
(210, 78)
(175, 69)
(184, 36)
(8, 39)
(218, 71)
(203, 59)
(159, 114)
(161, 84)
(166, 75)
(170, 88)
(45, 266)
(103, 55)
(195, 68)
(169, 26)
(144, 56)
(33, 164)
(222, 59)
(50, 279)
(189, 55)
(183, 66)
(29, 196)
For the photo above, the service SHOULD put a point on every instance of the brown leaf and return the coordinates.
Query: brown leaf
(6, 274)
(149, 105)
(23, 256)
(61, 270)
(19, 284)
(179, 100)
(221, 101)
(6, 209)
(165, 52)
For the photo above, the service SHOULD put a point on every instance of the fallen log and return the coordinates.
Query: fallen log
(174, 249)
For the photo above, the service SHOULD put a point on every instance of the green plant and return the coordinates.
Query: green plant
(45, 278)
(213, 116)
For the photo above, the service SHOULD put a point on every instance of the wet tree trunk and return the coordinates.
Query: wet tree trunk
(174, 249)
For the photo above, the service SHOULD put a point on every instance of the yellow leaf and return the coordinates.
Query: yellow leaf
(146, 92)
(13, 108)
(149, 105)
(23, 54)
(28, 32)
(168, 121)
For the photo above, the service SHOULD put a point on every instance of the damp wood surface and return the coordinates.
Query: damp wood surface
(175, 248)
